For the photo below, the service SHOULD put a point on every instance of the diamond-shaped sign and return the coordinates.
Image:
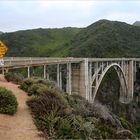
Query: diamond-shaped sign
(3, 49)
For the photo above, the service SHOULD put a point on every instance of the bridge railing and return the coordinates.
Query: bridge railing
(25, 61)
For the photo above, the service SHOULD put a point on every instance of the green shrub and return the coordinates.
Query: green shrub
(26, 84)
(47, 102)
(14, 77)
(8, 102)
(127, 125)
(36, 86)
(63, 116)
(36, 89)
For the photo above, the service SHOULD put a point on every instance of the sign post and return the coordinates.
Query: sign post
(3, 50)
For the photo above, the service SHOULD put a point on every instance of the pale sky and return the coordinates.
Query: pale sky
(29, 14)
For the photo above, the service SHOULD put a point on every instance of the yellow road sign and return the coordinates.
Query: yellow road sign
(3, 49)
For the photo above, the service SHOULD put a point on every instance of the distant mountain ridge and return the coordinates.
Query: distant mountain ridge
(103, 38)
(106, 38)
(137, 23)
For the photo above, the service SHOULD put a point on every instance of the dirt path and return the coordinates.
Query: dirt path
(20, 126)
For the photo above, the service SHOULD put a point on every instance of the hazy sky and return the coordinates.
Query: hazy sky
(28, 14)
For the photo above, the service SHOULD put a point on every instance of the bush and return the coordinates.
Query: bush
(26, 84)
(47, 102)
(14, 77)
(36, 89)
(8, 102)
(35, 86)
(63, 116)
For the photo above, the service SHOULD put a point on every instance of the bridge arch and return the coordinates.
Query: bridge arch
(122, 79)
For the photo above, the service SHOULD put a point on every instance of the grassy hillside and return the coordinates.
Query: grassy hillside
(101, 39)
(0, 32)
(106, 39)
(38, 42)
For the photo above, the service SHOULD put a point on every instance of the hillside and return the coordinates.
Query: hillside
(106, 39)
(37, 42)
(103, 38)
(0, 32)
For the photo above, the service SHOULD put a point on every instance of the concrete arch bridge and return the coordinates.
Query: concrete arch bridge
(83, 75)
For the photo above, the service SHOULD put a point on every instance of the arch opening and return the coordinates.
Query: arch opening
(123, 91)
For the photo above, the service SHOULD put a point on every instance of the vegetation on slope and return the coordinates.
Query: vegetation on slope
(8, 102)
(61, 116)
(14, 77)
(106, 39)
(102, 39)
(38, 42)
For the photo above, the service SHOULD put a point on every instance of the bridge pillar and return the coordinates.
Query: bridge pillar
(3, 70)
(68, 84)
(59, 77)
(90, 82)
(28, 72)
(75, 78)
(44, 71)
(84, 79)
(48, 76)
(135, 70)
(131, 79)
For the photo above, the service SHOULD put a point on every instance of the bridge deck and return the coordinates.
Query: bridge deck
(18, 62)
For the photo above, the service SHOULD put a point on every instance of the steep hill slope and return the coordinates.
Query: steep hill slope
(38, 42)
(102, 39)
(106, 39)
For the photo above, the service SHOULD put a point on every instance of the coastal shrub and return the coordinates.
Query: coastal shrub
(35, 86)
(14, 77)
(36, 89)
(26, 84)
(8, 102)
(63, 116)
(47, 102)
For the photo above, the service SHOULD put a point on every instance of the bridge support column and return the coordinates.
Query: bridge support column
(75, 78)
(44, 71)
(6, 70)
(84, 82)
(135, 70)
(59, 77)
(28, 72)
(90, 82)
(131, 79)
(68, 86)
(3, 70)
(48, 76)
